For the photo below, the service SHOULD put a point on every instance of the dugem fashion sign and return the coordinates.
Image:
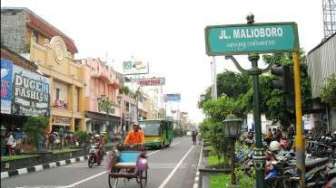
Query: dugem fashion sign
(251, 38)
(31, 93)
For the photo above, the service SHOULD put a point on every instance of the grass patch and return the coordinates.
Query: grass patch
(219, 181)
(15, 157)
(223, 181)
(213, 160)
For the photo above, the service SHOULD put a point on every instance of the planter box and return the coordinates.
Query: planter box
(20, 163)
(205, 174)
(42, 158)
(45, 157)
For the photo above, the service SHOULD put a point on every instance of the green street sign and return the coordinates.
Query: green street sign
(251, 38)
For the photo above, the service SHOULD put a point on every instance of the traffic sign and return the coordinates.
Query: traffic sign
(251, 38)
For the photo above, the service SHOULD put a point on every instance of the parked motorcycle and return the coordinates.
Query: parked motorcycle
(94, 156)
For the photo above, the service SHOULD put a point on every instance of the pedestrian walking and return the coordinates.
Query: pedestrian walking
(269, 136)
(278, 134)
(11, 144)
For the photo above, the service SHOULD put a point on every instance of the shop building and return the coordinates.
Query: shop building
(24, 93)
(321, 62)
(102, 109)
(27, 34)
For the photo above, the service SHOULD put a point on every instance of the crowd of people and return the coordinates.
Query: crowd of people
(17, 142)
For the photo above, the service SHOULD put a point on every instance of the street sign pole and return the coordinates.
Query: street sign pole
(259, 157)
(253, 39)
(299, 138)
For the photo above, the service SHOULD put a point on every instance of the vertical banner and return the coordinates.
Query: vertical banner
(6, 86)
(31, 93)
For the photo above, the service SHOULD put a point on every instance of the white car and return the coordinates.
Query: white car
(189, 133)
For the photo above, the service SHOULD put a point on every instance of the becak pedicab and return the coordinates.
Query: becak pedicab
(127, 162)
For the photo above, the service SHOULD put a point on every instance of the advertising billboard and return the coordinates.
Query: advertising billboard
(30, 93)
(6, 86)
(151, 81)
(176, 97)
(135, 67)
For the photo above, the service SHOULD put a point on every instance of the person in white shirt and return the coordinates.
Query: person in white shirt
(11, 144)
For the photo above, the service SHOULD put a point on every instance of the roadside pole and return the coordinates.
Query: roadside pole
(299, 137)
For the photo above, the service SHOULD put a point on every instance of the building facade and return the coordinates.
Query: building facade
(321, 63)
(102, 110)
(27, 34)
(67, 86)
(24, 93)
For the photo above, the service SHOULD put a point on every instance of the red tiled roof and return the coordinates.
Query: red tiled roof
(37, 23)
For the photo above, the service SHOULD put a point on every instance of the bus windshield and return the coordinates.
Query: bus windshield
(150, 128)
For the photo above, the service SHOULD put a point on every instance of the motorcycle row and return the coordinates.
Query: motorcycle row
(280, 167)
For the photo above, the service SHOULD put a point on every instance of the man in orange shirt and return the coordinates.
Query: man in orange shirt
(135, 137)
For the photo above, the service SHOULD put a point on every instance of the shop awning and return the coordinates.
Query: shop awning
(101, 117)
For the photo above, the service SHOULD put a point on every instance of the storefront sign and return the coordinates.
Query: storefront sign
(6, 86)
(251, 38)
(57, 120)
(152, 81)
(135, 67)
(31, 93)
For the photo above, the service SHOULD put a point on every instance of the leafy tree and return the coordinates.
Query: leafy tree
(105, 105)
(328, 93)
(82, 136)
(232, 84)
(35, 127)
(124, 90)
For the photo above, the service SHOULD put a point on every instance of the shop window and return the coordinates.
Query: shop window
(78, 98)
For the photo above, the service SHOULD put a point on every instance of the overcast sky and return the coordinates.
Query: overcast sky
(168, 34)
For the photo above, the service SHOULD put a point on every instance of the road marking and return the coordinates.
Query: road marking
(85, 180)
(152, 153)
(197, 177)
(164, 183)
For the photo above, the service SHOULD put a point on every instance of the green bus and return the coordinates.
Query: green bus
(158, 133)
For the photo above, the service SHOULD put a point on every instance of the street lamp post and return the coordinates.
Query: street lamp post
(120, 101)
(259, 156)
(232, 127)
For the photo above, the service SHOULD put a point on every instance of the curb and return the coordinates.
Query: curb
(196, 180)
(41, 167)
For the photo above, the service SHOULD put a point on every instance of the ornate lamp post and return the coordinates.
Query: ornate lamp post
(255, 71)
(232, 126)
(121, 103)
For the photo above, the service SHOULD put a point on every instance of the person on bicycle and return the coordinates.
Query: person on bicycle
(135, 136)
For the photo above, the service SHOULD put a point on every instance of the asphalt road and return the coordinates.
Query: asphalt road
(172, 167)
